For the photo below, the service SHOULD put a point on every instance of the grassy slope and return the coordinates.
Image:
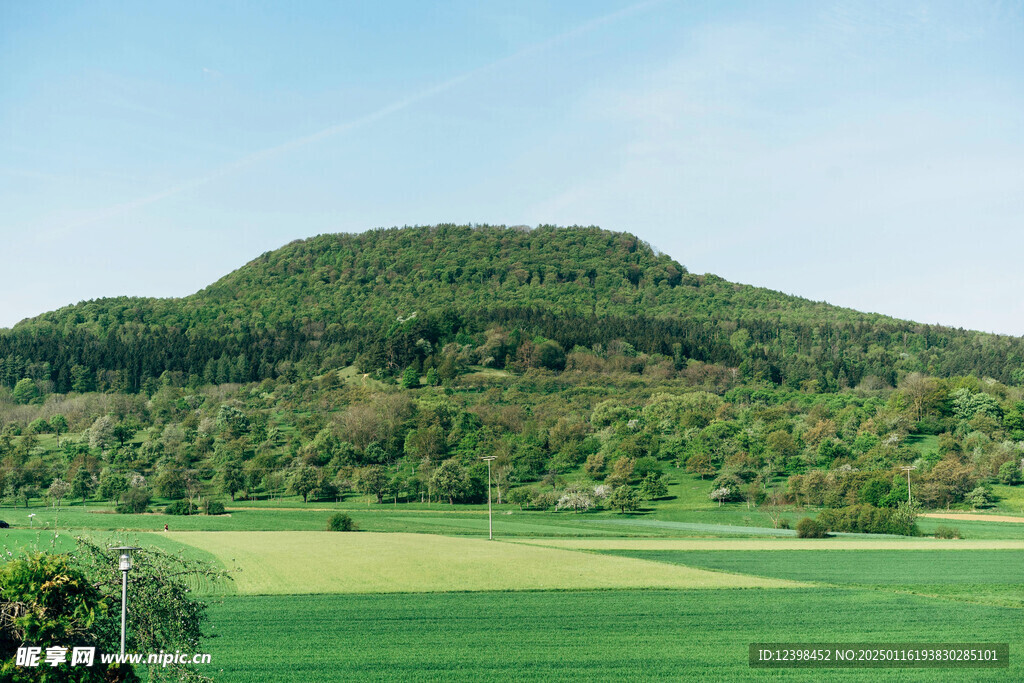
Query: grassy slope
(326, 562)
(620, 635)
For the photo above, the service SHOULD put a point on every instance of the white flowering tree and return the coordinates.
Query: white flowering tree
(721, 494)
(576, 500)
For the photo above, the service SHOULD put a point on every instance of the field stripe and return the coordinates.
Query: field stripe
(966, 516)
(695, 526)
(273, 563)
(859, 543)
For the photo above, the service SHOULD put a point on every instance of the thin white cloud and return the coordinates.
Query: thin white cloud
(347, 126)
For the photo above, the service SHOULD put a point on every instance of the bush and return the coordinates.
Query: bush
(181, 507)
(135, 501)
(810, 528)
(1009, 474)
(545, 499)
(867, 519)
(521, 495)
(56, 605)
(594, 465)
(4, 525)
(733, 486)
(981, 497)
(784, 523)
(339, 521)
(947, 532)
(213, 507)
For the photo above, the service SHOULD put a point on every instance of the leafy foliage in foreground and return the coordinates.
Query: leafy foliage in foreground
(165, 614)
(46, 601)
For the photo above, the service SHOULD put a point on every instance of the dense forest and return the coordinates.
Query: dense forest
(388, 299)
(590, 366)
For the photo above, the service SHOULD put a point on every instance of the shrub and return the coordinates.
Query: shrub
(213, 507)
(1009, 474)
(947, 532)
(545, 499)
(339, 521)
(653, 486)
(595, 465)
(49, 602)
(181, 507)
(810, 528)
(732, 484)
(784, 523)
(867, 519)
(135, 501)
(624, 498)
(521, 495)
(4, 525)
(980, 497)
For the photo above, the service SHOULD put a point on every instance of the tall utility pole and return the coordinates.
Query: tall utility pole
(907, 469)
(490, 516)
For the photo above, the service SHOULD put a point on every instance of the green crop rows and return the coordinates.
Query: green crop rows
(589, 635)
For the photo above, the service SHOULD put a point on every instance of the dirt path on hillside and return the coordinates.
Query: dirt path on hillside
(972, 517)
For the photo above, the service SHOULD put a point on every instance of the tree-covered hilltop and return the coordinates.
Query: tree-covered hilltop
(504, 297)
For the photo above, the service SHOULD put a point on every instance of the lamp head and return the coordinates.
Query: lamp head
(125, 561)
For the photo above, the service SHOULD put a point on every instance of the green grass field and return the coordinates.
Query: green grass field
(875, 567)
(326, 562)
(980, 575)
(862, 542)
(591, 635)
(1011, 499)
(674, 592)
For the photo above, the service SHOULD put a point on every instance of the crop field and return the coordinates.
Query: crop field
(63, 540)
(976, 575)
(677, 593)
(861, 542)
(324, 562)
(508, 522)
(592, 635)
(857, 566)
(973, 528)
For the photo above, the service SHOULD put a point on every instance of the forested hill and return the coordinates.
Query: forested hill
(504, 297)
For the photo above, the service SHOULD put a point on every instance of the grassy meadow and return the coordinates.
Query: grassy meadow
(592, 635)
(325, 562)
(676, 590)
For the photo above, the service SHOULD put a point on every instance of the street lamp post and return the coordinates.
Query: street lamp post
(907, 469)
(124, 565)
(490, 516)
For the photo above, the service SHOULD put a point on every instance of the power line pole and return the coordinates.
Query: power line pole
(490, 516)
(907, 469)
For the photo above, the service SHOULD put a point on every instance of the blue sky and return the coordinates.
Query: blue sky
(870, 154)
